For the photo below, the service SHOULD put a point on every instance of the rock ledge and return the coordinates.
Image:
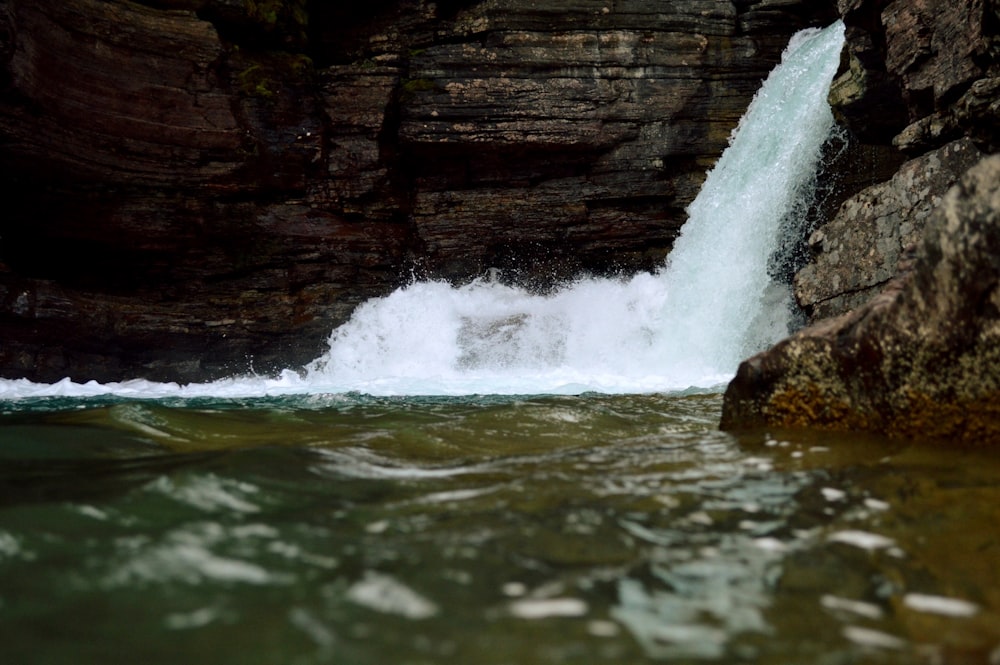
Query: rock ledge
(922, 359)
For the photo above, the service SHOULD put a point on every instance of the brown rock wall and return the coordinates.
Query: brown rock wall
(194, 187)
(102, 85)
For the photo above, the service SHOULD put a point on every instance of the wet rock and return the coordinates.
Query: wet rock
(918, 73)
(919, 360)
(936, 50)
(860, 250)
(893, 359)
(865, 98)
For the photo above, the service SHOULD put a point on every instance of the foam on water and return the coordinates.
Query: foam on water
(686, 326)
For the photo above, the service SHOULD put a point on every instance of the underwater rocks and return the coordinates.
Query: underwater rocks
(922, 359)
(196, 188)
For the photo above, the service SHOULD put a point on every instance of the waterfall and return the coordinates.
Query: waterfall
(687, 325)
(723, 305)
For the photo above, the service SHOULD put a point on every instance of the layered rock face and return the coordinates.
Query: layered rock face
(909, 266)
(195, 188)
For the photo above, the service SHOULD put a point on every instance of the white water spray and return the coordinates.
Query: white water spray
(686, 326)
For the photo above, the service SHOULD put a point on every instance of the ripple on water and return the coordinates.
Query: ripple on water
(208, 492)
(601, 542)
(186, 556)
(383, 593)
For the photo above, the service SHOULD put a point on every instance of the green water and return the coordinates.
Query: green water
(592, 529)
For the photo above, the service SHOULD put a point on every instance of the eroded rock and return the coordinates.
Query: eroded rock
(922, 359)
(859, 251)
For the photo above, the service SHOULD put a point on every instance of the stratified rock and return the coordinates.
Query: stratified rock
(157, 219)
(920, 360)
(114, 93)
(195, 188)
(859, 251)
(570, 137)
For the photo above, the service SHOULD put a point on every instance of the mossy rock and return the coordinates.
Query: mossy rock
(410, 88)
(270, 13)
(264, 75)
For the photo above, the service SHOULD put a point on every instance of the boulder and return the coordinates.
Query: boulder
(922, 359)
(870, 239)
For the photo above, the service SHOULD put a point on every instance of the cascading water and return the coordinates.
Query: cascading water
(723, 305)
(686, 326)
(689, 325)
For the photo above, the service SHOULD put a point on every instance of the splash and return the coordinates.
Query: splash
(687, 326)
(684, 327)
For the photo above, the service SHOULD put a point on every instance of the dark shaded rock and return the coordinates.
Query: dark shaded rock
(865, 98)
(195, 187)
(935, 49)
(919, 72)
(574, 148)
(115, 93)
(922, 359)
(157, 215)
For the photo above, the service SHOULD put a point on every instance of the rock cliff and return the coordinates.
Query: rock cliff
(918, 80)
(907, 267)
(920, 360)
(195, 188)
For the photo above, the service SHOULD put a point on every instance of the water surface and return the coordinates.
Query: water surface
(487, 530)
